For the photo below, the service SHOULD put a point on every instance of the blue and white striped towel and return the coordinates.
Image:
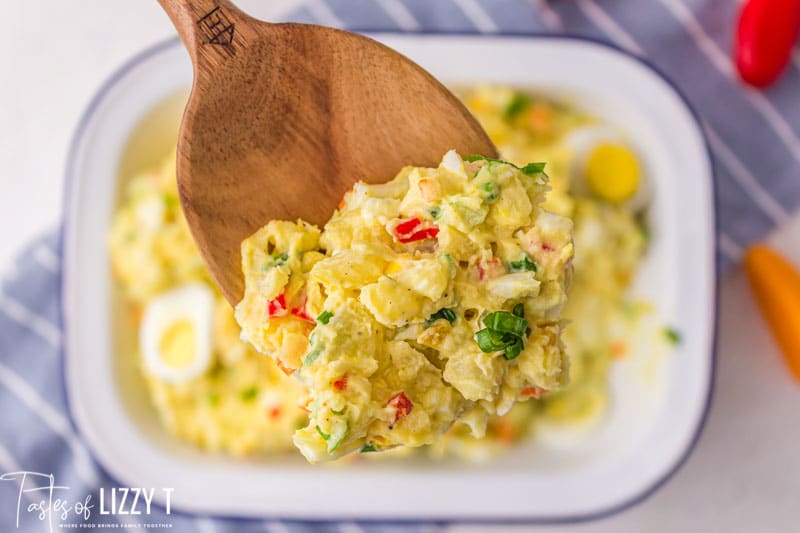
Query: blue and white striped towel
(754, 138)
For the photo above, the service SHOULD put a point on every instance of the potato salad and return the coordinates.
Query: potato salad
(207, 386)
(218, 393)
(433, 298)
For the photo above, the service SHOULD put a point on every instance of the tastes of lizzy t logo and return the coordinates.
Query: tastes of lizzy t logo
(51, 503)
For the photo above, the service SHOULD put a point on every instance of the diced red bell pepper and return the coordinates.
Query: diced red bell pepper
(277, 306)
(490, 268)
(412, 229)
(304, 406)
(429, 189)
(407, 226)
(341, 383)
(402, 406)
(532, 392)
(300, 310)
(286, 370)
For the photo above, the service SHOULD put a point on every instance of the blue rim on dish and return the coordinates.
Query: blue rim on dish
(540, 519)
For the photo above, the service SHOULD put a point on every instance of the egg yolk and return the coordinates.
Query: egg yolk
(177, 346)
(612, 172)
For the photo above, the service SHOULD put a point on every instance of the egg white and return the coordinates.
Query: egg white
(193, 302)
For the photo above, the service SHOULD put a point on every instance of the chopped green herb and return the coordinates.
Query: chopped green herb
(443, 313)
(435, 211)
(324, 317)
(322, 434)
(513, 351)
(368, 448)
(523, 265)
(249, 394)
(673, 336)
(519, 310)
(518, 103)
(491, 190)
(505, 322)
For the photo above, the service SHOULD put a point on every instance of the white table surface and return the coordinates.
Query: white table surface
(743, 476)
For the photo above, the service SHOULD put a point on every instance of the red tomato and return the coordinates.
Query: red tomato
(765, 37)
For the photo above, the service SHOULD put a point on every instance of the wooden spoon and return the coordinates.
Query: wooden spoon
(284, 118)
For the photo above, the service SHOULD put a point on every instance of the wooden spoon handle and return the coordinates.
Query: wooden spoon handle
(211, 30)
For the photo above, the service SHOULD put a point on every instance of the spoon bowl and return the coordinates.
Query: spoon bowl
(284, 118)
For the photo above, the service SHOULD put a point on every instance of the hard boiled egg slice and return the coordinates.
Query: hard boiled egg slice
(607, 168)
(175, 335)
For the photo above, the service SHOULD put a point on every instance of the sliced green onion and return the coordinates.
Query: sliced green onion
(249, 394)
(531, 169)
(443, 313)
(492, 341)
(170, 200)
(368, 448)
(333, 444)
(492, 191)
(518, 103)
(523, 265)
(312, 356)
(435, 211)
(275, 260)
(324, 317)
(519, 310)
(322, 434)
(506, 322)
(673, 336)
(513, 351)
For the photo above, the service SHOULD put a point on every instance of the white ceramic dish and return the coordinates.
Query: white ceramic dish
(652, 424)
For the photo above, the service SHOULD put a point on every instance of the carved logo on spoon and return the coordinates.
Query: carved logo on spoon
(217, 27)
